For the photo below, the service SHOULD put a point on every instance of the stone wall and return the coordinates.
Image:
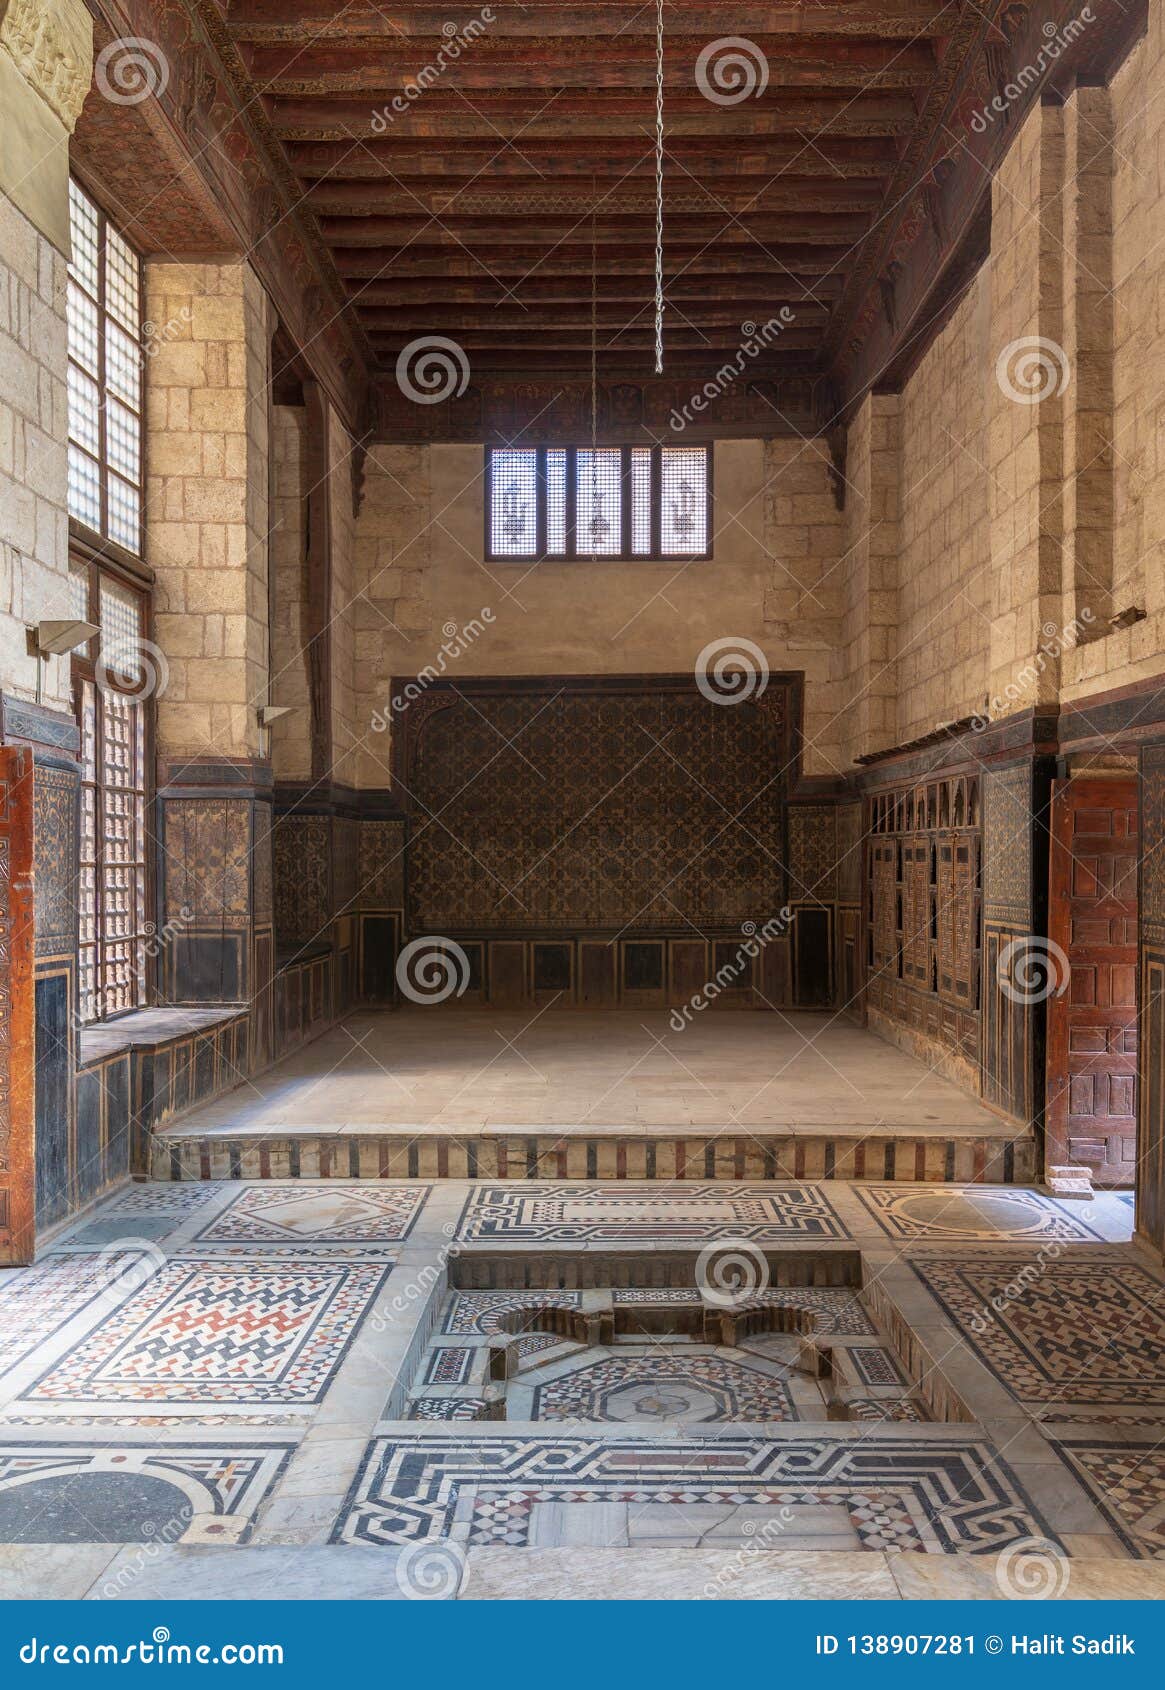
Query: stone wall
(206, 502)
(422, 579)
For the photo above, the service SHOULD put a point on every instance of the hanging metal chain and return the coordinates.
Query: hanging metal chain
(594, 376)
(659, 187)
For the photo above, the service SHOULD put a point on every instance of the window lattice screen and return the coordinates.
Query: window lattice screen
(613, 502)
(103, 315)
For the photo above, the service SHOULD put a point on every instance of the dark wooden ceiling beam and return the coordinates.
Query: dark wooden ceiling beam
(767, 292)
(515, 316)
(363, 161)
(457, 228)
(506, 115)
(270, 22)
(730, 256)
(380, 73)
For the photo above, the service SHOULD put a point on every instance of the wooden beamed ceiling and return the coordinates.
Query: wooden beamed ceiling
(483, 196)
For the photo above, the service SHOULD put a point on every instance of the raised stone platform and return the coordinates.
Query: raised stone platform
(466, 1094)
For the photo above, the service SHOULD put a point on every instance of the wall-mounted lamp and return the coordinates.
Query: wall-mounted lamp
(55, 638)
(269, 713)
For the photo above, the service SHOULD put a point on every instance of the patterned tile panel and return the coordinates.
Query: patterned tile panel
(479, 1311)
(940, 1495)
(1070, 1331)
(971, 1213)
(662, 1387)
(1127, 1482)
(873, 1365)
(449, 1365)
(839, 1313)
(228, 1331)
(321, 1214)
(627, 1213)
(35, 1302)
(446, 1408)
(147, 1492)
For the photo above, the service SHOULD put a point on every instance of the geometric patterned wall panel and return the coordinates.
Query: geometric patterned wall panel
(587, 804)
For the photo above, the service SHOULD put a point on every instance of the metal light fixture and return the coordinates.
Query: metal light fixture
(57, 636)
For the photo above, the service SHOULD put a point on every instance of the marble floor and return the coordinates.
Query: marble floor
(400, 1390)
(449, 1070)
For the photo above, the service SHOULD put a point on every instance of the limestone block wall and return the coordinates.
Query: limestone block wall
(206, 502)
(423, 583)
(943, 575)
(33, 465)
(869, 624)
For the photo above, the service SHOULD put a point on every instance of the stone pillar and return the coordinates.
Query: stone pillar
(207, 402)
(870, 619)
(1087, 260)
(1026, 380)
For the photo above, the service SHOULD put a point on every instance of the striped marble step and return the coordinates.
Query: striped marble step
(960, 1159)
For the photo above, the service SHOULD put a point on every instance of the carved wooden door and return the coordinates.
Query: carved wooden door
(16, 1011)
(1092, 1024)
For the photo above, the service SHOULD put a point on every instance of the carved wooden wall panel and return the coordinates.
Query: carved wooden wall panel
(923, 909)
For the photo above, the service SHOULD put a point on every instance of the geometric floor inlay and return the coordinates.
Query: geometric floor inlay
(657, 1387)
(134, 1493)
(1072, 1331)
(937, 1496)
(629, 1212)
(837, 1313)
(1127, 1482)
(36, 1301)
(969, 1213)
(214, 1331)
(350, 1213)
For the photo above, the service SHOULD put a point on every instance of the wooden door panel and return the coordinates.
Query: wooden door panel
(1092, 1027)
(17, 1176)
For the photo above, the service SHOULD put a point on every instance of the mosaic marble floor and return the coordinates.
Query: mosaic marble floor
(233, 1388)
